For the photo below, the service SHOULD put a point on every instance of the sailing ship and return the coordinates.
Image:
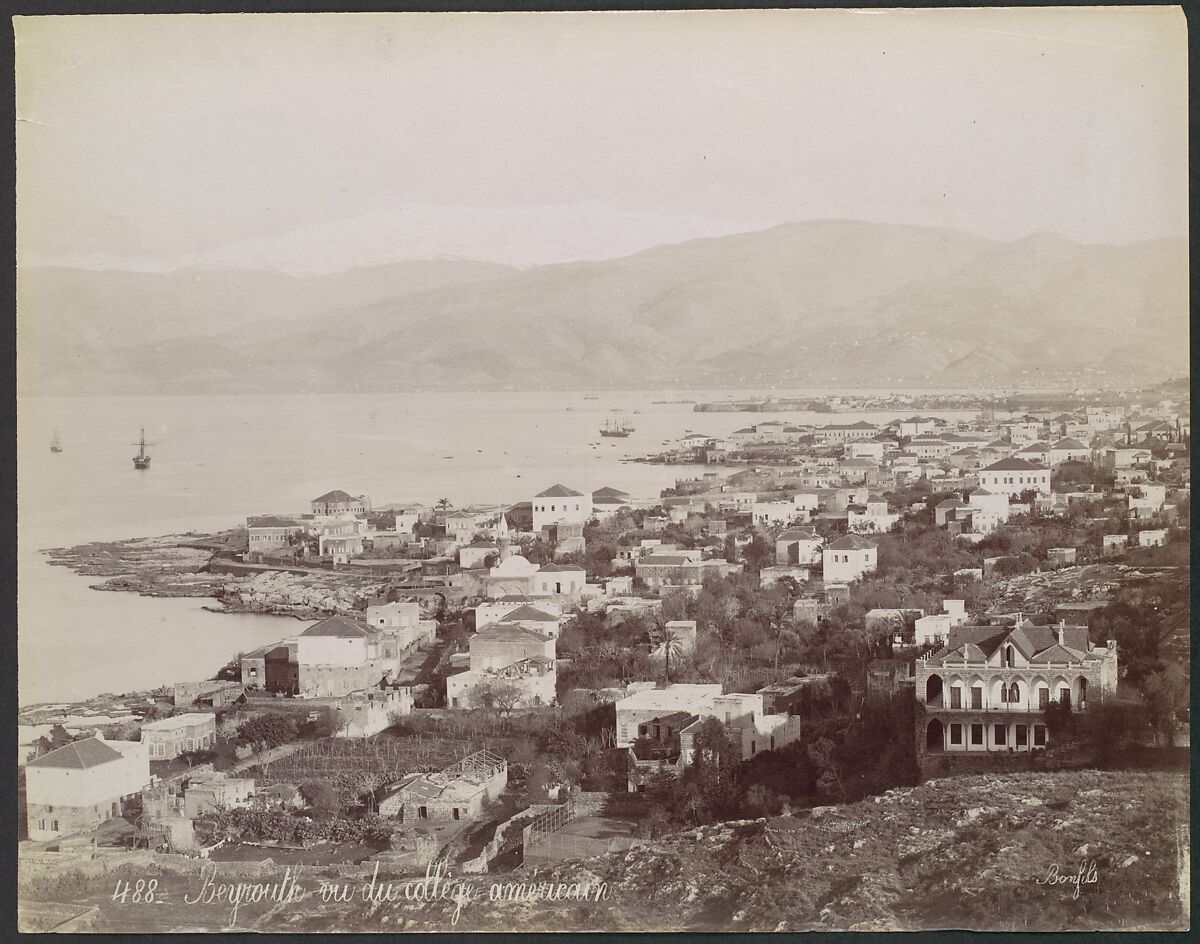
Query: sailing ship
(56, 443)
(613, 428)
(141, 460)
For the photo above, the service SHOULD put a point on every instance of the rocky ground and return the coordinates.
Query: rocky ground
(952, 853)
(176, 565)
(971, 852)
(1046, 589)
(311, 596)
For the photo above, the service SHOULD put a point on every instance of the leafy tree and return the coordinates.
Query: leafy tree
(1138, 632)
(500, 695)
(708, 787)
(758, 554)
(269, 730)
(329, 722)
(822, 754)
(321, 796)
(1165, 693)
(1109, 727)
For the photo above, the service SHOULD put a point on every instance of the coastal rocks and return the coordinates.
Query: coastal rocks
(177, 565)
(297, 595)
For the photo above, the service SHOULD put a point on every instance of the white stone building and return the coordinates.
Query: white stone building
(82, 785)
(1013, 476)
(849, 558)
(560, 505)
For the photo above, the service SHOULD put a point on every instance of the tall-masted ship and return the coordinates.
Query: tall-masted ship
(616, 429)
(141, 460)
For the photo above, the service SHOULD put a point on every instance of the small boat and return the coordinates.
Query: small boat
(56, 443)
(141, 460)
(591, 396)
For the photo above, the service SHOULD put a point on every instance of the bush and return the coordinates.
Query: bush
(269, 730)
(321, 796)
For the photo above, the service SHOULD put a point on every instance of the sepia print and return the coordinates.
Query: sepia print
(662, 471)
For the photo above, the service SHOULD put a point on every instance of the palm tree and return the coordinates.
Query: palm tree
(671, 642)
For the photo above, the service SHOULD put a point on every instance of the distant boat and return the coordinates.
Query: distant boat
(141, 460)
(613, 429)
(56, 443)
(591, 396)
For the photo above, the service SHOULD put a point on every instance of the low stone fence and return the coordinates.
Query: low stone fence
(502, 837)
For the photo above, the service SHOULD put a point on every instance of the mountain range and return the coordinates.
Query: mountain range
(832, 302)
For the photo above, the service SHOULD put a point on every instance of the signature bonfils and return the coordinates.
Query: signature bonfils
(1086, 874)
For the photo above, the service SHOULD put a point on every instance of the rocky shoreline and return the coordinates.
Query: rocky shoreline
(177, 565)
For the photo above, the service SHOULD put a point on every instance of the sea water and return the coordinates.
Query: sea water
(216, 460)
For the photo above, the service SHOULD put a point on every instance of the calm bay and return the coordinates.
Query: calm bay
(218, 459)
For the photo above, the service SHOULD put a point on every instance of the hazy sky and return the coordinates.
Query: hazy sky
(252, 137)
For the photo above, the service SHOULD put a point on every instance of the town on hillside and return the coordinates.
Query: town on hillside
(823, 615)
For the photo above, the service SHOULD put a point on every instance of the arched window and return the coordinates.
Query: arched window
(1014, 693)
(1008, 656)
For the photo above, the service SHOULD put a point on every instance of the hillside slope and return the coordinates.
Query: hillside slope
(954, 853)
(826, 302)
(963, 852)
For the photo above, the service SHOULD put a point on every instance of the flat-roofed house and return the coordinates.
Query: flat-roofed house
(266, 533)
(167, 738)
(657, 702)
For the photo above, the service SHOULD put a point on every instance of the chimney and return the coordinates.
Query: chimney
(1061, 625)
(1112, 645)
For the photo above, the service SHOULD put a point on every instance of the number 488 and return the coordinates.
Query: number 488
(140, 892)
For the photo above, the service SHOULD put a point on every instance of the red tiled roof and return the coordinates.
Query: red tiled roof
(343, 627)
(1014, 465)
(559, 491)
(79, 755)
(337, 495)
(271, 521)
(527, 613)
(851, 542)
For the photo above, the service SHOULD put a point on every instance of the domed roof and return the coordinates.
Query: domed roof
(515, 566)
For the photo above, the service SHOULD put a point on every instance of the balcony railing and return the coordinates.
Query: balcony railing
(1005, 707)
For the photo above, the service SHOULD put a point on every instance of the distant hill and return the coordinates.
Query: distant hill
(824, 302)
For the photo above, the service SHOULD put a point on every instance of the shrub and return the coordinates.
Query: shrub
(321, 796)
